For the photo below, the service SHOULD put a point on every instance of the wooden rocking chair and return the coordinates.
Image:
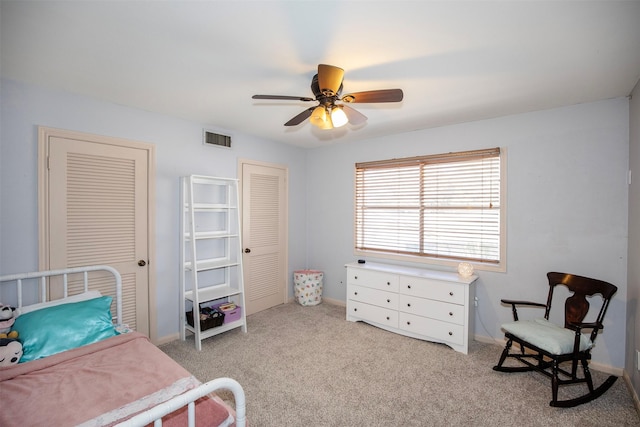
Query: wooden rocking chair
(544, 345)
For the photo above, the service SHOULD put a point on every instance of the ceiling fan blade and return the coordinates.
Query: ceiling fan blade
(283, 97)
(355, 117)
(329, 79)
(300, 117)
(384, 95)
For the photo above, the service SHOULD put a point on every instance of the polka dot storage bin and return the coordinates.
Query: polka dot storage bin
(308, 286)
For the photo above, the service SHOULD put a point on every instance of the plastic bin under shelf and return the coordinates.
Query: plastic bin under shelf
(231, 314)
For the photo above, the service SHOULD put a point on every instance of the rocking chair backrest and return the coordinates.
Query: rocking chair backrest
(577, 306)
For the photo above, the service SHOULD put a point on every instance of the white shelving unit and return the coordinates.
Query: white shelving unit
(210, 252)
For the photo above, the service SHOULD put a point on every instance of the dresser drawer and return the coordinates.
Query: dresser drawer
(373, 296)
(447, 312)
(371, 313)
(436, 329)
(433, 289)
(373, 279)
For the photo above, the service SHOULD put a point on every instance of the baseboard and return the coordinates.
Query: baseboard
(634, 394)
(324, 299)
(607, 369)
(167, 339)
(334, 301)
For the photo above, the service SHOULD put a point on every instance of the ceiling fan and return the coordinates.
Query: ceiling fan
(327, 88)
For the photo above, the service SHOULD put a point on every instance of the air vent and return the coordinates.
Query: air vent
(212, 138)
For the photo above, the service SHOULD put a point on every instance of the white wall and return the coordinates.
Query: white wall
(567, 205)
(633, 296)
(179, 151)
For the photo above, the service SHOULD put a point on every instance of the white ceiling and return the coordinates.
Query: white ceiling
(456, 61)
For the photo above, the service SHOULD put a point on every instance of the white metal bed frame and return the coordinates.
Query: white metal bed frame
(154, 414)
(188, 399)
(65, 272)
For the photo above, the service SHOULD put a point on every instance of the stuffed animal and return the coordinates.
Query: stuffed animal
(8, 317)
(10, 351)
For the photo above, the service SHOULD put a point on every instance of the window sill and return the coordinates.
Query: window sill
(477, 266)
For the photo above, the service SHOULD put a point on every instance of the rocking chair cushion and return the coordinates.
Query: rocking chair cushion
(546, 336)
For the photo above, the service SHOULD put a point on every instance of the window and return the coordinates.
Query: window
(445, 206)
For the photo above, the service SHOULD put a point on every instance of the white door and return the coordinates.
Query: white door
(264, 235)
(96, 211)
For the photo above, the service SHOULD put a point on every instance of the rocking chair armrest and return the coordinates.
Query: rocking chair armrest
(514, 303)
(587, 325)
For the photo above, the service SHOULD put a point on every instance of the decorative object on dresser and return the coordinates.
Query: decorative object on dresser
(465, 269)
(426, 304)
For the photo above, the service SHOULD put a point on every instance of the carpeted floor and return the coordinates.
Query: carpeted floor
(308, 366)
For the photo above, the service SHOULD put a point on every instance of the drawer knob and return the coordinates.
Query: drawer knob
(355, 293)
(451, 293)
(408, 286)
(450, 333)
(450, 314)
(388, 300)
(387, 317)
(388, 283)
(408, 304)
(355, 309)
(408, 323)
(355, 277)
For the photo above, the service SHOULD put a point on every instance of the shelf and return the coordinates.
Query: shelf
(210, 293)
(211, 264)
(210, 250)
(202, 235)
(216, 330)
(211, 207)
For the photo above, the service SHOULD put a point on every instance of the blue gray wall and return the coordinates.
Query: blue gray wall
(567, 194)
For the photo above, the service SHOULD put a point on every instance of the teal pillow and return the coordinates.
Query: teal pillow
(52, 330)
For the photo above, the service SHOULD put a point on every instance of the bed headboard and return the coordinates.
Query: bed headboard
(40, 277)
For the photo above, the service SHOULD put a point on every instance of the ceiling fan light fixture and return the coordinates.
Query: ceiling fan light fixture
(338, 116)
(320, 118)
(326, 86)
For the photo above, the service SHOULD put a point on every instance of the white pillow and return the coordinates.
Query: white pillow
(74, 298)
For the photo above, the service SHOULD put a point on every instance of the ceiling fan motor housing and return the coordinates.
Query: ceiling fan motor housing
(321, 97)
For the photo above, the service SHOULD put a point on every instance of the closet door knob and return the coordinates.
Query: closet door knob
(247, 250)
(451, 293)
(142, 263)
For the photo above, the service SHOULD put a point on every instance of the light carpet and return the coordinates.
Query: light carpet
(308, 366)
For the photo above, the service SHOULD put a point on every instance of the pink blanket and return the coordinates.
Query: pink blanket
(98, 384)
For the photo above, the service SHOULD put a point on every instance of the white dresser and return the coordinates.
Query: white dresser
(426, 304)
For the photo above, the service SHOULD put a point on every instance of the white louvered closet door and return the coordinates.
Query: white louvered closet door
(98, 215)
(264, 231)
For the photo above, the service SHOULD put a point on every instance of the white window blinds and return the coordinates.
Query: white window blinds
(440, 206)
